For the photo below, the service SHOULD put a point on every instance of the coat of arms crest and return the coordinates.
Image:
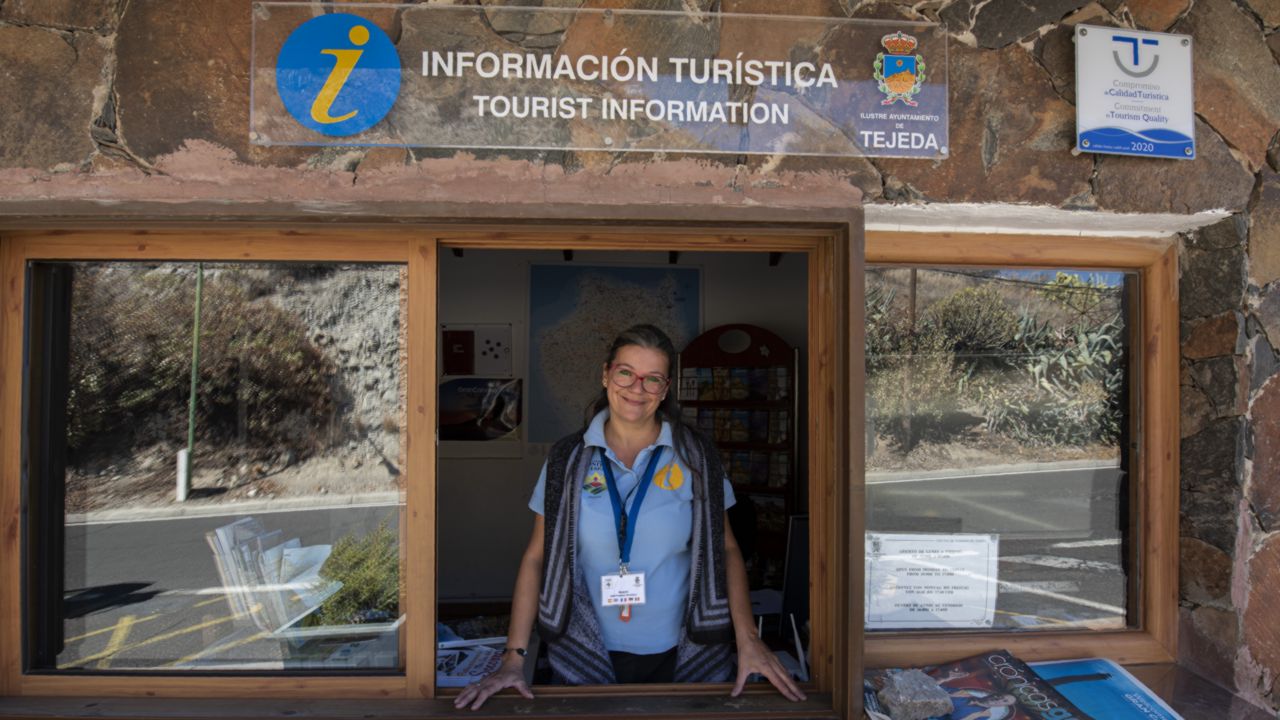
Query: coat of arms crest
(899, 73)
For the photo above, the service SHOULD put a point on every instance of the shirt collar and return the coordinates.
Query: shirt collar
(594, 436)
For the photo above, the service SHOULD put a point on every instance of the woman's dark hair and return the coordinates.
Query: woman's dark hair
(649, 337)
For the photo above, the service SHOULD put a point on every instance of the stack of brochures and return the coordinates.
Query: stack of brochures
(996, 685)
(274, 581)
(462, 666)
(460, 662)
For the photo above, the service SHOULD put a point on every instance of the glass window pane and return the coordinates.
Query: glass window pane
(998, 424)
(285, 553)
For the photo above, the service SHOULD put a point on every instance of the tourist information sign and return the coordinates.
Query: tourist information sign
(475, 76)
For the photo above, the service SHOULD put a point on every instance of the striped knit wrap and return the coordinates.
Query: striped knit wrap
(566, 617)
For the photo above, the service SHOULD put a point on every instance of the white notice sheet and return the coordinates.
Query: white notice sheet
(928, 580)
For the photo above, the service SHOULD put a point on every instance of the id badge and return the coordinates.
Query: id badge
(622, 589)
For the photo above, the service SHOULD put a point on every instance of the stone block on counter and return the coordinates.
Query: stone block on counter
(913, 695)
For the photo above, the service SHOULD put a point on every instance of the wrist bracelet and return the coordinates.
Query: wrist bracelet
(517, 650)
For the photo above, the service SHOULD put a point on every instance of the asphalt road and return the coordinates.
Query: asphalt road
(1065, 501)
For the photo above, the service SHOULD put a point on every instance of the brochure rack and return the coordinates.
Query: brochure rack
(738, 385)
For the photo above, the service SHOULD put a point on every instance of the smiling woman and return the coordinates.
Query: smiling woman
(666, 613)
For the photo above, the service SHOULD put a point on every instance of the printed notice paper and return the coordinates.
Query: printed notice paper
(931, 580)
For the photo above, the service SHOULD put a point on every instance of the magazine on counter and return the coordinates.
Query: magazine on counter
(998, 686)
(1104, 689)
(992, 686)
(459, 667)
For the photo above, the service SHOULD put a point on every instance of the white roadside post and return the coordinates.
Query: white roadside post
(184, 482)
(184, 456)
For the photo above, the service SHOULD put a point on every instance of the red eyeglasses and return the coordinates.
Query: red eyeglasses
(624, 377)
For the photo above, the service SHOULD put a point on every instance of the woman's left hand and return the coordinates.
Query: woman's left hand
(756, 657)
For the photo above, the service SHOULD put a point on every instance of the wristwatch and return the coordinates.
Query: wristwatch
(517, 650)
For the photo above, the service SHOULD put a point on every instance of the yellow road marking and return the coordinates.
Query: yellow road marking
(111, 628)
(162, 637)
(116, 642)
(107, 629)
(217, 648)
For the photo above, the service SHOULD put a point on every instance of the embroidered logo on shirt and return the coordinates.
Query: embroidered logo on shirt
(594, 484)
(670, 477)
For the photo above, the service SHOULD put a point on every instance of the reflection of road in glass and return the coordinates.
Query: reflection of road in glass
(166, 631)
(1061, 561)
(147, 595)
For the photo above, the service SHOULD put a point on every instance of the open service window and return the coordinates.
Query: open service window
(297, 464)
(525, 326)
(524, 335)
(1020, 421)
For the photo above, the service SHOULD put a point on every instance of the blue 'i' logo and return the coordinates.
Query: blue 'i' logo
(338, 74)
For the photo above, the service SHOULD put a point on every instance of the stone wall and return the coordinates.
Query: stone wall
(140, 108)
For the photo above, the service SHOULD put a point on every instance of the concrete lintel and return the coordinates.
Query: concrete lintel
(1004, 218)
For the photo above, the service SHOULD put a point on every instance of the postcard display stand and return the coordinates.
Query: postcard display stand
(738, 385)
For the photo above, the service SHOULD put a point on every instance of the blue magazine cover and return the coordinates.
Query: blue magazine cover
(1103, 689)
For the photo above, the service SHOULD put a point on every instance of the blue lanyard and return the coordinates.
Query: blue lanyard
(626, 524)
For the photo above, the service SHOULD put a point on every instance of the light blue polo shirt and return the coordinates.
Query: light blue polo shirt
(664, 533)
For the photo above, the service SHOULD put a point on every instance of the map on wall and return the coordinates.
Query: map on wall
(575, 311)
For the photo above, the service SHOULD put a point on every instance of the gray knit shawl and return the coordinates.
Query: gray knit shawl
(566, 618)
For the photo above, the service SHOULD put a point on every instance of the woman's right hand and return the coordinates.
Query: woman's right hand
(524, 608)
(510, 674)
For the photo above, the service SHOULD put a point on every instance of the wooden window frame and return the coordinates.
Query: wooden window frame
(832, 241)
(1155, 495)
